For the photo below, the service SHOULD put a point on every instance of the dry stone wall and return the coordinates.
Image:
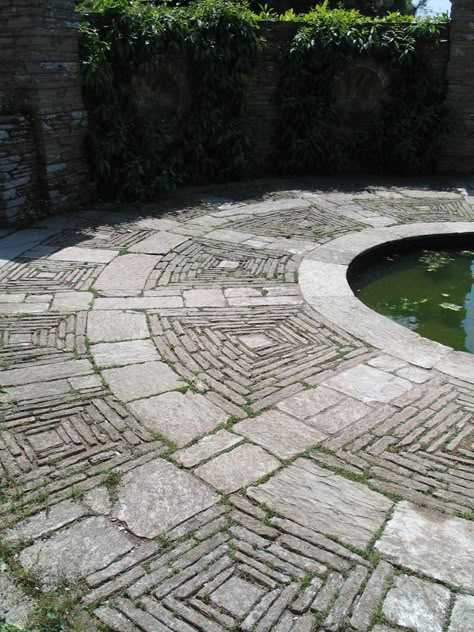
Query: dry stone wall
(43, 120)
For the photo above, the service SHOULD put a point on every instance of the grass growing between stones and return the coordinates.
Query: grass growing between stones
(111, 482)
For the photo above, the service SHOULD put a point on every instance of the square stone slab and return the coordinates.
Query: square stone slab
(256, 341)
(121, 353)
(237, 596)
(280, 434)
(238, 468)
(369, 384)
(71, 301)
(180, 417)
(83, 548)
(113, 326)
(323, 501)
(417, 604)
(44, 441)
(310, 402)
(431, 543)
(155, 497)
(141, 380)
(345, 413)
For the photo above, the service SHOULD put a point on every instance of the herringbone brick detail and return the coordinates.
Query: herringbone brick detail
(420, 210)
(295, 350)
(202, 263)
(318, 224)
(236, 568)
(421, 449)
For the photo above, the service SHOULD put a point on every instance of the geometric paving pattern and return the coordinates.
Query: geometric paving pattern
(302, 467)
(44, 276)
(40, 335)
(208, 262)
(424, 450)
(420, 210)
(99, 237)
(319, 224)
(253, 356)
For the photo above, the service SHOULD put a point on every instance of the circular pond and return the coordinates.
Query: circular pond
(425, 284)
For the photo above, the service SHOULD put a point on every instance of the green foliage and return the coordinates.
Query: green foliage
(129, 151)
(217, 42)
(414, 121)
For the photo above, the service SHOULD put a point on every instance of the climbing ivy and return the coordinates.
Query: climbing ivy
(218, 40)
(414, 122)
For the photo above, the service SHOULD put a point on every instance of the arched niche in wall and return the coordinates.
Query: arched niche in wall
(164, 91)
(360, 92)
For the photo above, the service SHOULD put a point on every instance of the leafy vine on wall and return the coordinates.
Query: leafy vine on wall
(218, 42)
(414, 121)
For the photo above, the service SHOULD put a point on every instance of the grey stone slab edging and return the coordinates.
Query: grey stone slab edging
(324, 285)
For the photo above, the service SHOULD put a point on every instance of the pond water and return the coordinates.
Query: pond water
(429, 290)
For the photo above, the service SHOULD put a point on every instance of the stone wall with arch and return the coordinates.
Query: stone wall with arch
(43, 120)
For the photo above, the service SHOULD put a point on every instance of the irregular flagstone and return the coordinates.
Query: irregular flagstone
(462, 616)
(324, 501)
(180, 417)
(15, 606)
(369, 384)
(81, 549)
(280, 434)
(207, 447)
(337, 418)
(128, 272)
(27, 375)
(155, 497)
(104, 326)
(310, 402)
(417, 604)
(92, 255)
(128, 352)
(159, 243)
(435, 544)
(136, 381)
(238, 468)
(237, 596)
(45, 522)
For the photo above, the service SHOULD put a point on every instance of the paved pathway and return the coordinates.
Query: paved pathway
(188, 444)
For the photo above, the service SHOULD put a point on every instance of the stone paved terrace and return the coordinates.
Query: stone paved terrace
(194, 438)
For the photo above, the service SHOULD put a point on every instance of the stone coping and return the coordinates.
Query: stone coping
(324, 285)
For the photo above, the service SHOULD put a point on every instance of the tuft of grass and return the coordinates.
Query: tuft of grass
(77, 494)
(111, 482)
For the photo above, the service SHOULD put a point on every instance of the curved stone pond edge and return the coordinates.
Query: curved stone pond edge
(324, 284)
